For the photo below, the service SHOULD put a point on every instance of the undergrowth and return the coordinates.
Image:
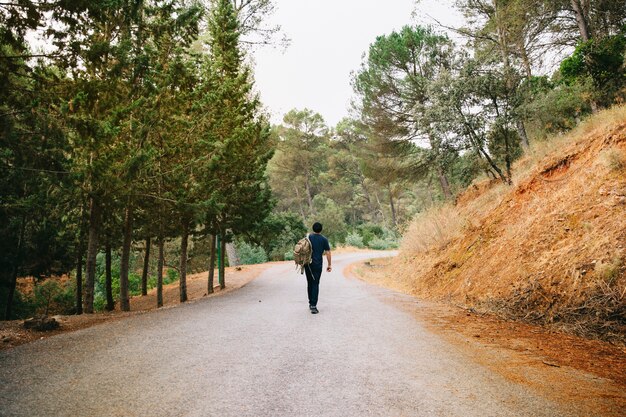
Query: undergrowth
(597, 310)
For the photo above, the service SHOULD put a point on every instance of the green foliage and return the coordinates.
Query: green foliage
(383, 244)
(503, 143)
(123, 117)
(250, 254)
(466, 168)
(171, 276)
(370, 231)
(332, 218)
(355, 239)
(277, 233)
(48, 297)
(602, 60)
(554, 108)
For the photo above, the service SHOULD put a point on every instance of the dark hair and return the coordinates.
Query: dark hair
(317, 227)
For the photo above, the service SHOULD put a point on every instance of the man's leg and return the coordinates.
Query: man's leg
(315, 286)
(309, 284)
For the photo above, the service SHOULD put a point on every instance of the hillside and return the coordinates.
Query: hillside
(550, 249)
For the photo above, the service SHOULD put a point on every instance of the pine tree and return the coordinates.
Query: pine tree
(243, 148)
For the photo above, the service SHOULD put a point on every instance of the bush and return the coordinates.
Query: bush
(170, 276)
(52, 297)
(278, 253)
(388, 239)
(22, 307)
(152, 282)
(380, 244)
(558, 109)
(370, 231)
(289, 255)
(134, 284)
(602, 61)
(251, 254)
(355, 239)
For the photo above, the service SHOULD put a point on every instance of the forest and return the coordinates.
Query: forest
(134, 147)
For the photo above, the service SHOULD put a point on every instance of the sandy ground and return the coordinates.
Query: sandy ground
(12, 333)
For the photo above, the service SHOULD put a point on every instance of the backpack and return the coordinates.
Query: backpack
(302, 253)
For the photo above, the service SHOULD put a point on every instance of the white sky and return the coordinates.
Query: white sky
(328, 39)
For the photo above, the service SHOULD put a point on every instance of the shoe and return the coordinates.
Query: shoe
(314, 310)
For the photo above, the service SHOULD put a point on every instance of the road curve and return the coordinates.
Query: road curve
(259, 352)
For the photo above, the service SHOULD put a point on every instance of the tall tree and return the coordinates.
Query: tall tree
(301, 154)
(392, 85)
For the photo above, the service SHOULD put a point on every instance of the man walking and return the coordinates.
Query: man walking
(319, 245)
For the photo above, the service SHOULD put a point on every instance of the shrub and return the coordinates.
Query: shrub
(289, 255)
(378, 244)
(170, 276)
(152, 282)
(134, 284)
(355, 239)
(369, 231)
(52, 297)
(560, 109)
(99, 302)
(278, 254)
(614, 159)
(251, 254)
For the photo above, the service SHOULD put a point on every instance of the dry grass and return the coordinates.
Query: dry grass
(432, 229)
(614, 159)
(543, 250)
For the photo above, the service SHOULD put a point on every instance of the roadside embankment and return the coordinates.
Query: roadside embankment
(549, 250)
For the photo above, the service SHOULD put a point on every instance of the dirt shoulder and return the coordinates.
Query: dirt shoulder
(12, 333)
(534, 356)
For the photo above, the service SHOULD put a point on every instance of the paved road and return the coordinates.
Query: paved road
(259, 352)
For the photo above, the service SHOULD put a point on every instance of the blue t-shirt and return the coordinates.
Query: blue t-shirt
(319, 244)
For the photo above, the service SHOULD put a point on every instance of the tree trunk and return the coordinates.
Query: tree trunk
(125, 261)
(92, 252)
(309, 197)
(521, 130)
(146, 267)
(300, 204)
(525, 59)
(580, 10)
(211, 264)
(108, 278)
(16, 270)
(507, 157)
(160, 263)
(494, 166)
(366, 193)
(79, 278)
(380, 208)
(444, 184)
(476, 143)
(233, 256)
(222, 269)
(393, 208)
(182, 283)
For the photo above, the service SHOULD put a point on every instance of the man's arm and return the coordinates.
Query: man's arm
(328, 261)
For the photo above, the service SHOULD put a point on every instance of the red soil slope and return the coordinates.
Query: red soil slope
(550, 249)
